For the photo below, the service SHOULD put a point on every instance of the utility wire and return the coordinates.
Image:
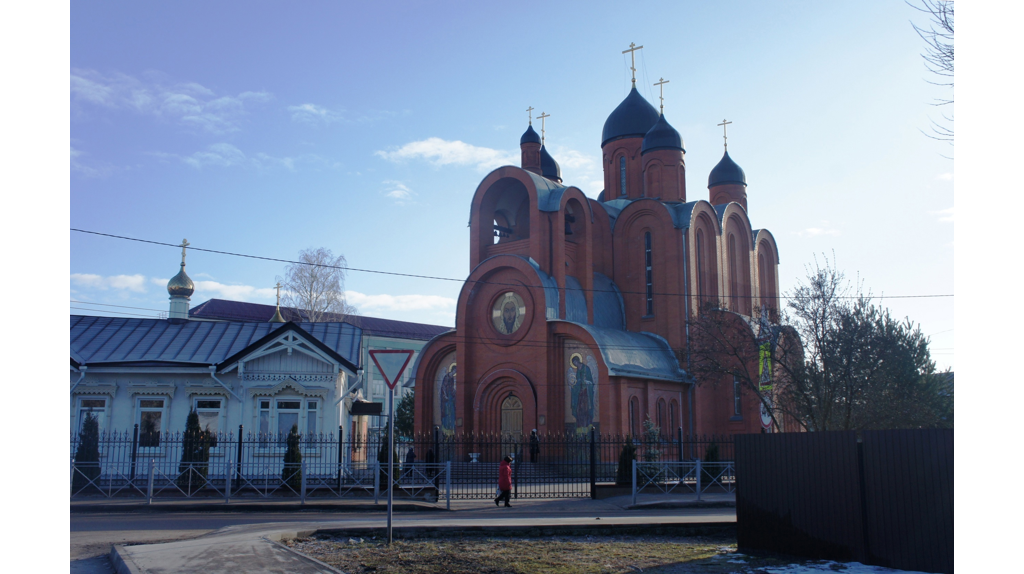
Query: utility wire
(480, 282)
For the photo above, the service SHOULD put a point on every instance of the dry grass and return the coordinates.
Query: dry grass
(558, 555)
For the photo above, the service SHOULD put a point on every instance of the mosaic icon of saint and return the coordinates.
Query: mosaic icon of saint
(447, 392)
(508, 313)
(580, 378)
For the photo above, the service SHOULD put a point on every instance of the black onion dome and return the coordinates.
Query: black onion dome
(529, 136)
(180, 284)
(633, 118)
(662, 136)
(727, 172)
(548, 166)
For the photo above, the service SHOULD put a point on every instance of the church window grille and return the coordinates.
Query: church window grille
(622, 175)
(737, 406)
(150, 420)
(96, 407)
(648, 273)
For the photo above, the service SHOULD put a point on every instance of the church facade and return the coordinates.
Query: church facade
(576, 312)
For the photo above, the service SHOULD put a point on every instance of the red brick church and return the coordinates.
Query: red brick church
(575, 314)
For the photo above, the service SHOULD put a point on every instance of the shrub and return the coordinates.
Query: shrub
(624, 472)
(710, 455)
(291, 473)
(195, 455)
(87, 455)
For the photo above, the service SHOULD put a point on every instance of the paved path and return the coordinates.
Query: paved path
(245, 540)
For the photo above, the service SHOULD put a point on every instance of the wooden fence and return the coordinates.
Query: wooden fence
(885, 499)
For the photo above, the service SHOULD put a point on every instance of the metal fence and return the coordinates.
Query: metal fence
(696, 477)
(432, 466)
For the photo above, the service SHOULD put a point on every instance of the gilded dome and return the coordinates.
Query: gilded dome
(180, 285)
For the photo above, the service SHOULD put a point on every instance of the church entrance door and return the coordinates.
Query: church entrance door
(511, 423)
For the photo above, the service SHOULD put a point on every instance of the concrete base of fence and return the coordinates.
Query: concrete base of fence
(218, 505)
(610, 490)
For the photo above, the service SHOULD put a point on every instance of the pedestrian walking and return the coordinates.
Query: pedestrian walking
(534, 446)
(410, 457)
(504, 482)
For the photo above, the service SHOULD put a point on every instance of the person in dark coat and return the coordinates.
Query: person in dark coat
(504, 482)
(410, 457)
(534, 446)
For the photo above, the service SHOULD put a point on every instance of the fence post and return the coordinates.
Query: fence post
(679, 435)
(341, 456)
(593, 465)
(634, 482)
(302, 489)
(238, 462)
(149, 489)
(135, 451)
(448, 482)
(437, 444)
(699, 473)
(227, 482)
(376, 482)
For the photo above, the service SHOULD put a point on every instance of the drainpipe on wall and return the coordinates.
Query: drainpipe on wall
(241, 403)
(81, 368)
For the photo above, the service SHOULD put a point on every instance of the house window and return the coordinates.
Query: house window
(95, 407)
(278, 416)
(648, 273)
(736, 406)
(287, 417)
(150, 421)
(208, 411)
(622, 175)
(312, 422)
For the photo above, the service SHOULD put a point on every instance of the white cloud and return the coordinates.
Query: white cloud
(399, 192)
(944, 214)
(948, 176)
(823, 229)
(443, 152)
(214, 289)
(228, 155)
(580, 169)
(136, 283)
(314, 114)
(190, 104)
(400, 302)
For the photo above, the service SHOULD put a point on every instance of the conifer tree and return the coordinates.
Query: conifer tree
(291, 474)
(87, 455)
(624, 473)
(195, 455)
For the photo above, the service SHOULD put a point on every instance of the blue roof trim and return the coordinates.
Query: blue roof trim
(550, 289)
(614, 207)
(575, 302)
(549, 193)
(411, 382)
(640, 355)
(682, 214)
(720, 210)
(608, 304)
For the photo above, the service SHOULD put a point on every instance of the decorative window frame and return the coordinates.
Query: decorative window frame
(289, 388)
(79, 397)
(165, 417)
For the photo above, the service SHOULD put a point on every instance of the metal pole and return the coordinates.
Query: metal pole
(227, 482)
(238, 462)
(135, 451)
(149, 490)
(391, 454)
(634, 482)
(341, 458)
(376, 481)
(680, 437)
(302, 469)
(448, 482)
(593, 465)
(698, 478)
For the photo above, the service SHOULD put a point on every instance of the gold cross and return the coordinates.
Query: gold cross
(529, 110)
(542, 117)
(661, 86)
(184, 244)
(632, 58)
(278, 293)
(725, 136)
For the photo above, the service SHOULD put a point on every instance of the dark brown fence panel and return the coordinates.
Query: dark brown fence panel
(798, 494)
(909, 492)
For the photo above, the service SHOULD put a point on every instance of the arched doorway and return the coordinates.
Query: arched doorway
(511, 424)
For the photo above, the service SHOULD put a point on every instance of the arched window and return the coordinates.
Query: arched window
(622, 175)
(634, 417)
(700, 265)
(648, 274)
(737, 406)
(734, 283)
(661, 417)
(672, 422)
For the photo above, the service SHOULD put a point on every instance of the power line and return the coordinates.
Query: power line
(477, 281)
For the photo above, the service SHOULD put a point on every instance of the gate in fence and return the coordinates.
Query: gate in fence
(432, 467)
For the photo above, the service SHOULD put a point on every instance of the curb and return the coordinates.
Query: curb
(122, 561)
(678, 528)
(675, 505)
(243, 507)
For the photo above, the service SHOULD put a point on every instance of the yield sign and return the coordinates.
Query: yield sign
(391, 364)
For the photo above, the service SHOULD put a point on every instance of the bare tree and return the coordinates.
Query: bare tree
(938, 55)
(315, 284)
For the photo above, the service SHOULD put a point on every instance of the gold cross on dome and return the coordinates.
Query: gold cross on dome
(661, 86)
(725, 136)
(543, 116)
(632, 58)
(184, 244)
(278, 293)
(529, 110)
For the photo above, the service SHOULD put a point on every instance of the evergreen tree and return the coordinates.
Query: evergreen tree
(710, 455)
(291, 474)
(382, 458)
(404, 415)
(87, 455)
(624, 473)
(195, 455)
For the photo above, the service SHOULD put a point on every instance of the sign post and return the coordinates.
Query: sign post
(391, 364)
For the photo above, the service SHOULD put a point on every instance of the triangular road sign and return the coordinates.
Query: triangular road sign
(391, 364)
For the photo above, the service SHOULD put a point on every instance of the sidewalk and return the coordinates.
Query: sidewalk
(257, 548)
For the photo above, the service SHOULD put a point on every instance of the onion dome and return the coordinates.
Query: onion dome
(727, 172)
(529, 136)
(633, 118)
(548, 166)
(277, 318)
(180, 285)
(662, 136)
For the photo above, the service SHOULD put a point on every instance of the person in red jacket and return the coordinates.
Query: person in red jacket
(504, 481)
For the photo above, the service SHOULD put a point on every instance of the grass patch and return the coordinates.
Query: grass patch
(556, 554)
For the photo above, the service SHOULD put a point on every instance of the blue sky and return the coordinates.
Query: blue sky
(265, 128)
